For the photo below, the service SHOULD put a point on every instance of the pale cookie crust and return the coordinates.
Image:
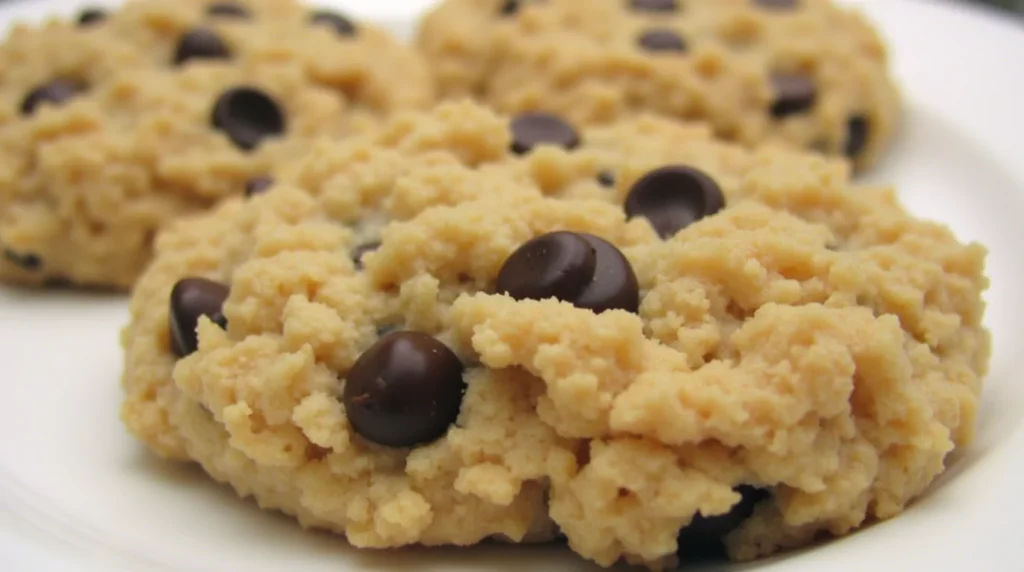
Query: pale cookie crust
(812, 340)
(84, 186)
(584, 63)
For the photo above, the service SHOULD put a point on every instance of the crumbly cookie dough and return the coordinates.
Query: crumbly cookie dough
(797, 360)
(804, 72)
(106, 129)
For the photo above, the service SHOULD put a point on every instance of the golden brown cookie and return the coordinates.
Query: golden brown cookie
(113, 124)
(804, 72)
(652, 343)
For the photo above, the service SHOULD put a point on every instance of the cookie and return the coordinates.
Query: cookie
(804, 72)
(466, 326)
(112, 124)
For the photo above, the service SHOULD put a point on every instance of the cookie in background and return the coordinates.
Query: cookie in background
(114, 123)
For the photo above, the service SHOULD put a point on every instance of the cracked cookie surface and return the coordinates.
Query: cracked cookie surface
(797, 358)
(114, 123)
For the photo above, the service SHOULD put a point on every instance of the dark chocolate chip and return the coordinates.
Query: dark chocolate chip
(510, 7)
(361, 250)
(614, 286)
(793, 94)
(341, 25)
(582, 269)
(90, 16)
(386, 329)
(190, 299)
(26, 261)
(606, 178)
(248, 116)
(662, 40)
(258, 185)
(538, 128)
(777, 4)
(200, 43)
(228, 10)
(655, 5)
(703, 536)
(857, 129)
(555, 265)
(674, 197)
(57, 92)
(405, 390)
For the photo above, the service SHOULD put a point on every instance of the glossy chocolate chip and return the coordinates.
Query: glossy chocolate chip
(90, 16)
(703, 536)
(340, 24)
(538, 128)
(190, 299)
(582, 269)
(200, 43)
(405, 390)
(674, 197)
(661, 40)
(606, 178)
(361, 250)
(654, 5)
(258, 185)
(793, 94)
(248, 116)
(24, 260)
(778, 4)
(57, 92)
(857, 130)
(228, 10)
(555, 265)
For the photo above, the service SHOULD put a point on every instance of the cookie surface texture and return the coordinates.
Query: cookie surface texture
(797, 358)
(112, 125)
(804, 72)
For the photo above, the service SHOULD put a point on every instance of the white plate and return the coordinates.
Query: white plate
(76, 493)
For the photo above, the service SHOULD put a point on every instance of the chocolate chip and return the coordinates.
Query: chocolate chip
(793, 94)
(582, 269)
(90, 16)
(703, 536)
(555, 265)
(341, 25)
(606, 178)
(359, 251)
(510, 7)
(57, 92)
(655, 5)
(228, 10)
(661, 40)
(385, 330)
(258, 185)
(405, 390)
(857, 129)
(674, 197)
(200, 43)
(26, 261)
(778, 4)
(190, 299)
(538, 128)
(247, 116)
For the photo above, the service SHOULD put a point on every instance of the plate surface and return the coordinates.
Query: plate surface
(77, 494)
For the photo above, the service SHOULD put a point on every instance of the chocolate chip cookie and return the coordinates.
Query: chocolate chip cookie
(656, 344)
(804, 72)
(114, 123)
